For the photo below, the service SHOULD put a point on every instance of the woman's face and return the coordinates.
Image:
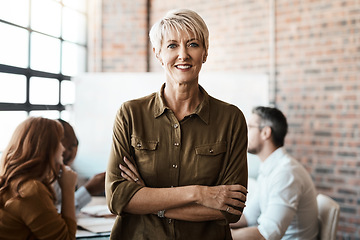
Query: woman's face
(59, 154)
(70, 143)
(182, 56)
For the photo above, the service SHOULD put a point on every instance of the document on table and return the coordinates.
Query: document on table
(96, 224)
(97, 211)
(96, 218)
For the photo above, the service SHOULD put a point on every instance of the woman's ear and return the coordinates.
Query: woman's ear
(205, 57)
(158, 57)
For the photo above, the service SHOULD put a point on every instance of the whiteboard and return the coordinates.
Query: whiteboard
(98, 96)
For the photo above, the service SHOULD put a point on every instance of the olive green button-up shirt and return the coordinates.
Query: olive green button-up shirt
(207, 147)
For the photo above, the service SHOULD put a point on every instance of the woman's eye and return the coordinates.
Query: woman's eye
(193, 45)
(171, 45)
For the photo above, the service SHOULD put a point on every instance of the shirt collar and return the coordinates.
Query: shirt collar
(203, 110)
(272, 161)
(160, 106)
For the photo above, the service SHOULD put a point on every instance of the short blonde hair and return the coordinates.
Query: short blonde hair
(179, 20)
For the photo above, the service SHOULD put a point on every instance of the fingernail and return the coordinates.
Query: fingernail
(121, 166)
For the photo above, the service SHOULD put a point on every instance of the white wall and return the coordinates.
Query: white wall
(98, 97)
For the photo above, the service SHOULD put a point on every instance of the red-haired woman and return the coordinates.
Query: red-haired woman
(29, 165)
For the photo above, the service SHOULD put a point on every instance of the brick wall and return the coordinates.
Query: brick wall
(232, 25)
(318, 87)
(124, 36)
(317, 63)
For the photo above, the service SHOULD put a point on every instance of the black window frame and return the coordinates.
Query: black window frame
(28, 72)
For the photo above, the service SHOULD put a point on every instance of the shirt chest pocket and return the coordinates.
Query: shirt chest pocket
(145, 155)
(209, 160)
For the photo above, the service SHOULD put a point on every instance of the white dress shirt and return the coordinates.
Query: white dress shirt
(283, 204)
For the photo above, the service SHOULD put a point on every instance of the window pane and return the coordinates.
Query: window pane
(44, 91)
(67, 92)
(76, 4)
(15, 11)
(46, 17)
(66, 115)
(12, 88)
(45, 53)
(13, 45)
(9, 120)
(74, 26)
(52, 114)
(73, 59)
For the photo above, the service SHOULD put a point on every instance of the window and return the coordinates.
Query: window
(42, 45)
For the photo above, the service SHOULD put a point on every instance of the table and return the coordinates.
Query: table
(95, 220)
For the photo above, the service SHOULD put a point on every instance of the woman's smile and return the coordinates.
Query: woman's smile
(183, 66)
(182, 56)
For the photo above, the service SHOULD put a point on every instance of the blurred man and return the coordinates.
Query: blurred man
(283, 205)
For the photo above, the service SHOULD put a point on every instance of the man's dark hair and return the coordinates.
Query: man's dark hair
(275, 119)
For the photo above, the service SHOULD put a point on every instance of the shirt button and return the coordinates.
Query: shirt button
(176, 144)
(211, 151)
(174, 166)
(176, 125)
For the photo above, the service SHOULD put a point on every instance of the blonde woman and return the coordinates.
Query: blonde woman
(182, 152)
(29, 165)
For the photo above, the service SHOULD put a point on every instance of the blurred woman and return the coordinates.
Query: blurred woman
(87, 188)
(29, 165)
(185, 151)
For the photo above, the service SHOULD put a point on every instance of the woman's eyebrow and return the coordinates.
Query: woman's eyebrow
(170, 41)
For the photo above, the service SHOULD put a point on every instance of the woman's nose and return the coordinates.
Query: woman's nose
(183, 53)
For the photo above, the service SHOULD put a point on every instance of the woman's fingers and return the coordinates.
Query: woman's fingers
(237, 195)
(124, 175)
(224, 197)
(68, 177)
(237, 188)
(232, 210)
(130, 173)
(131, 166)
(235, 202)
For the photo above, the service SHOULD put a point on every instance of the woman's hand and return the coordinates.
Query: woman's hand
(223, 197)
(130, 173)
(67, 181)
(67, 178)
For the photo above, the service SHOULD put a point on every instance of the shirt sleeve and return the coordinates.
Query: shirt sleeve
(236, 171)
(40, 215)
(118, 190)
(274, 223)
(252, 209)
(281, 205)
(82, 197)
(57, 190)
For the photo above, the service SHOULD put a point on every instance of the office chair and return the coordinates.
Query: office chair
(328, 215)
